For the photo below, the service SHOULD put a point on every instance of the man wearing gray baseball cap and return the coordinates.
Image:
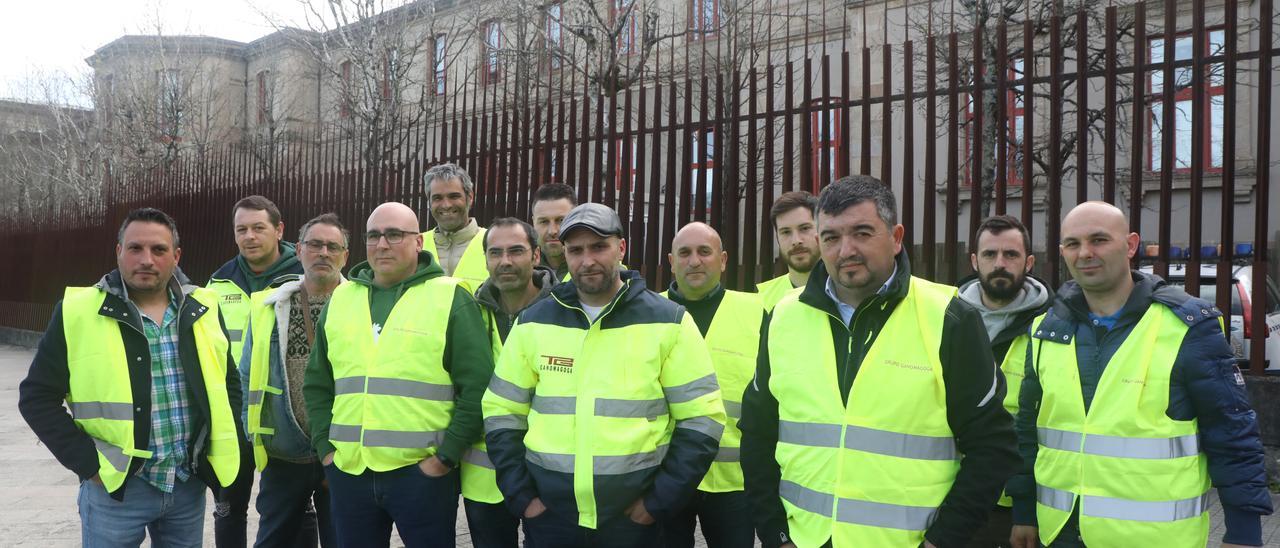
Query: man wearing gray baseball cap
(603, 413)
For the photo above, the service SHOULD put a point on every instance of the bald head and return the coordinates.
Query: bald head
(1097, 246)
(393, 214)
(392, 262)
(697, 260)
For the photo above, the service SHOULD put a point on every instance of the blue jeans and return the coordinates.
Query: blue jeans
(423, 509)
(172, 519)
(285, 493)
(549, 530)
(725, 517)
(491, 525)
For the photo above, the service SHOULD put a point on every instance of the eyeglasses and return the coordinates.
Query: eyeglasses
(513, 252)
(393, 236)
(316, 246)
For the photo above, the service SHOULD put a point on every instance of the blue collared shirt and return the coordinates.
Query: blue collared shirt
(846, 310)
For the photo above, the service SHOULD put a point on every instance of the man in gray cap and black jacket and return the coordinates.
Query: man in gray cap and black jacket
(591, 449)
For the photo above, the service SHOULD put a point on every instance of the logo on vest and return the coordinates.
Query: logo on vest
(232, 298)
(909, 366)
(558, 364)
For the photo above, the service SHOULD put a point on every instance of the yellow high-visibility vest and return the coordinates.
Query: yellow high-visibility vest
(1138, 477)
(1014, 369)
(733, 340)
(233, 304)
(101, 392)
(393, 399)
(472, 267)
(772, 291)
(874, 471)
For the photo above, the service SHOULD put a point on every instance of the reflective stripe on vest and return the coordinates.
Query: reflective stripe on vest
(393, 399)
(472, 268)
(100, 393)
(1137, 476)
(872, 471)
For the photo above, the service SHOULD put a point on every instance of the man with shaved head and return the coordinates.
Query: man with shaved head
(393, 387)
(730, 323)
(1131, 408)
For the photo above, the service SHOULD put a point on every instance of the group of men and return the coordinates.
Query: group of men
(846, 403)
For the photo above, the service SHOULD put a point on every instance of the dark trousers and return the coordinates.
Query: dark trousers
(725, 517)
(995, 534)
(550, 530)
(424, 510)
(491, 525)
(231, 511)
(286, 494)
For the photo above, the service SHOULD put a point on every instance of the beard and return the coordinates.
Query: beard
(801, 264)
(1002, 292)
(596, 287)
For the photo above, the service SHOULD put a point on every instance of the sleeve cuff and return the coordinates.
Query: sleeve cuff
(1242, 527)
(1024, 511)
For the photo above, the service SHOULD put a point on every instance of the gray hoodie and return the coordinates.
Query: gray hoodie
(1033, 297)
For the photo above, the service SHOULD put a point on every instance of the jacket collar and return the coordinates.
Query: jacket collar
(118, 306)
(544, 278)
(632, 287)
(285, 290)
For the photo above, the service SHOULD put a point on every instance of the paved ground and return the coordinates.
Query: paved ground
(40, 509)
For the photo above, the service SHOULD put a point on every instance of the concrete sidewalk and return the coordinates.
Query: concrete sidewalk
(41, 506)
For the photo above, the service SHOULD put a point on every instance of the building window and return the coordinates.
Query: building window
(344, 100)
(704, 19)
(107, 92)
(391, 74)
(624, 15)
(555, 37)
(490, 68)
(1015, 114)
(1184, 48)
(264, 98)
(169, 102)
(703, 160)
(438, 52)
(825, 139)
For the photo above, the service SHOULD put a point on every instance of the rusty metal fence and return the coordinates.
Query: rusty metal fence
(720, 145)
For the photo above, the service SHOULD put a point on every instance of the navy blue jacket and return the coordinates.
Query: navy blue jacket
(1205, 385)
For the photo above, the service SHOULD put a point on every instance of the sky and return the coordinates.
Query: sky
(43, 37)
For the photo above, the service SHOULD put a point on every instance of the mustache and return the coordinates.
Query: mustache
(851, 261)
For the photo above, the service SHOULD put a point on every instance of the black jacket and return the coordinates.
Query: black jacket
(41, 395)
(983, 429)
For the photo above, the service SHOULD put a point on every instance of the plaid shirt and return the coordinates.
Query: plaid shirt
(170, 418)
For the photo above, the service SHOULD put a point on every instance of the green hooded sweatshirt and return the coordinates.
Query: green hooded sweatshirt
(467, 357)
(286, 264)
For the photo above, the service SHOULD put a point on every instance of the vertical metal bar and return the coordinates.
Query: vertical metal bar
(1139, 117)
(771, 114)
(1168, 136)
(1258, 327)
(669, 207)
(829, 110)
(653, 222)
(1054, 188)
(584, 173)
(1199, 42)
(886, 117)
(1002, 120)
(636, 248)
(846, 144)
(930, 158)
(865, 131)
(600, 180)
(1028, 130)
(626, 177)
(788, 130)
(808, 179)
(952, 221)
(1082, 103)
(687, 152)
(750, 228)
(977, 178)
(1227, 253)
(1109, 132)
(908, 151)
(612, 179)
